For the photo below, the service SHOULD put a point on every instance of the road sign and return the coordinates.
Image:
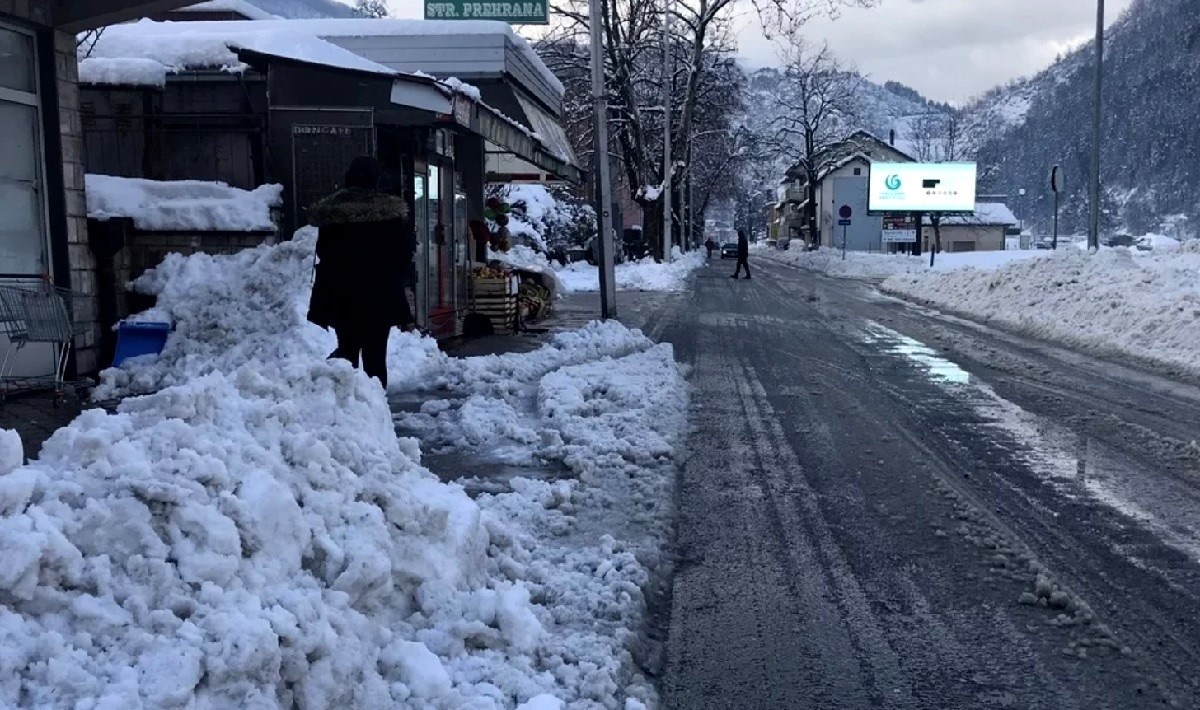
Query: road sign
(536, 12)
(846, 212)
(845, 222)
(1056, 179)
(899, 228)
(899, 236)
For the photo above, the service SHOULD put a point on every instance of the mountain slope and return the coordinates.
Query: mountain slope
(880, 108)
(1149, 148)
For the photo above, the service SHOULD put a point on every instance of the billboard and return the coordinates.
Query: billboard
(921, 187)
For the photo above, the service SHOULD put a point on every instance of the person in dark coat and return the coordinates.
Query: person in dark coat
(365, 247)
(743, 254)
(709, 244)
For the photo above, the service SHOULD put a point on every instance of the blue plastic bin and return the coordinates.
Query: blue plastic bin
(135, 339)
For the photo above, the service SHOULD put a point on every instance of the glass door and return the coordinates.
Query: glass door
(420, 269)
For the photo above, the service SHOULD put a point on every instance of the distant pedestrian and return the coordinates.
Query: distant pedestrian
(365, 247)
(743, 254)
(710, 245)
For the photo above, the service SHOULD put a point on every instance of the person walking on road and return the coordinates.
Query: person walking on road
(710, 245)
(365, 247)
(743, 255)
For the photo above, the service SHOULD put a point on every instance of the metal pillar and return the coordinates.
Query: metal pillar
(1097, 114)
(603, 177)
(668, 80)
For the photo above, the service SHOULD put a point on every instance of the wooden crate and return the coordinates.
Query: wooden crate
(501, 310)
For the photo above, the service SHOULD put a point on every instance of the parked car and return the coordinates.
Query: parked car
(729, 250)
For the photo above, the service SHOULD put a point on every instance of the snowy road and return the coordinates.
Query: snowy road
(886, 508)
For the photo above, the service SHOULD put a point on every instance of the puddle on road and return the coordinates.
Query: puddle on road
(939, 368)
(1076, 466)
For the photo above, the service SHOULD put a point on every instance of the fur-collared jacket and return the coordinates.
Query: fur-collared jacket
(365, 246)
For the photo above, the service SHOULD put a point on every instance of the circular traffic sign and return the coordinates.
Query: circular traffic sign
(845, 212)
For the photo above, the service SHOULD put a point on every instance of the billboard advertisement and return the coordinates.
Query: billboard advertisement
(922, 187)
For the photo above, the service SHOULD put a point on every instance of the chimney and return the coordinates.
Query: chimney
(892, 138)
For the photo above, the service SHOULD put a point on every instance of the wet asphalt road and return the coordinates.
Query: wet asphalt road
(882, 507)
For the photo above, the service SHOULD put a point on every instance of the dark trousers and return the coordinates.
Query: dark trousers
(368, 342)
(742, 261)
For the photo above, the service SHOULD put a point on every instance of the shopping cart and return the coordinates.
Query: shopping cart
(37, 313)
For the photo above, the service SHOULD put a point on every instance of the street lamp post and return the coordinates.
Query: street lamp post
(608, 282)
(1097, 114)
(668, 172)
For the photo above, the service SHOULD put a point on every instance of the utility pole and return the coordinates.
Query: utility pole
(1097, 115)
(668, 80)
(608, 280)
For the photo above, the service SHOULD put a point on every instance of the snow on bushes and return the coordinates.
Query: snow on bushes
(250, 532)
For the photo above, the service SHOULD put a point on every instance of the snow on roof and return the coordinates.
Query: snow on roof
(986, 213)
(183, 205)
(392, 27)
(180, 45)
(242, 7)
(122, 72)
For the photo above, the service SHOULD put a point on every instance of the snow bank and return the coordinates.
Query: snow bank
(608, 405)
(252, 532)
(864, 265)
(644, 275)
(182, 205)
(1146, 306)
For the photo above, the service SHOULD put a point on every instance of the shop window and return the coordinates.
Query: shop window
(22, 207)
(16, 61)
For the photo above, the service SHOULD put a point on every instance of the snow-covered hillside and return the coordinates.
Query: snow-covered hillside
(1149, 145)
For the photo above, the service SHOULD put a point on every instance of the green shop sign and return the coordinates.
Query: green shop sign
(514, 13)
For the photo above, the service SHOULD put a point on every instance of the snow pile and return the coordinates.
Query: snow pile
(254, 534)
(526, 258)
(1145, 306)
(607, 405)
(644, 275)
(459, 86)
(183, 205)
(122, 72)
(863, 265)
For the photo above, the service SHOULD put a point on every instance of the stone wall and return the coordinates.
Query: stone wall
(80, 259)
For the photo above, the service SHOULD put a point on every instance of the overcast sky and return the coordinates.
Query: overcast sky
(949, 50)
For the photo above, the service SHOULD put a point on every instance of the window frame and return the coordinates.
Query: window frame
(34, 101)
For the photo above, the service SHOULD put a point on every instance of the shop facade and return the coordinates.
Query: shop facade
(299, 123)
(43, 233)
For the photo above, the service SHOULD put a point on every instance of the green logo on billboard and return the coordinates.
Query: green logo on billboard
(892, 182)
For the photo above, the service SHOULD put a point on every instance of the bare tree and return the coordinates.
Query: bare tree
(636, 75)
(85, 42)
(371, 8)
(936, 137)
(817, 102)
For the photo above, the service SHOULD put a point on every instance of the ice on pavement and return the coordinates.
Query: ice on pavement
(644, 275)
(251, 532)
